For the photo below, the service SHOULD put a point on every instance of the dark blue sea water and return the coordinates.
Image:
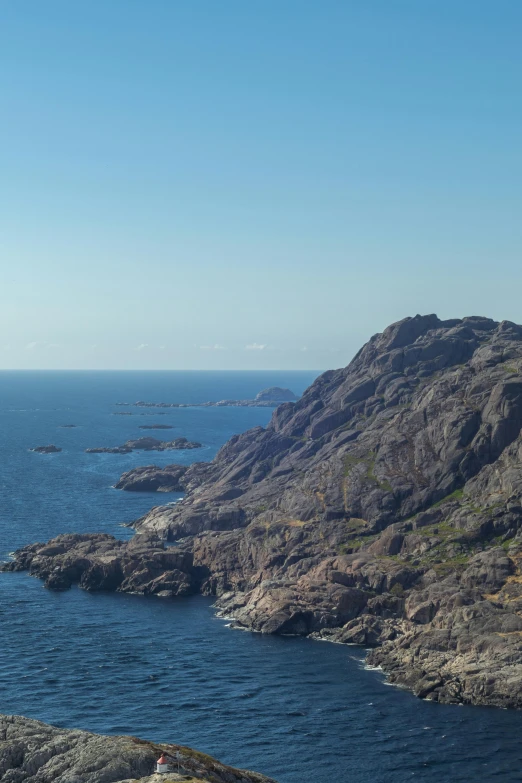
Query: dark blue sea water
(168, 670)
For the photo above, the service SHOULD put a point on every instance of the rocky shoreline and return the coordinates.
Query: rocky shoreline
(33, 751)
(384, 508)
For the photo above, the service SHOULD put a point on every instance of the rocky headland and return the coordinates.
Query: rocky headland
(146, 444)
(33, 752)
(267, 398)
(98, 561)
(383, 508)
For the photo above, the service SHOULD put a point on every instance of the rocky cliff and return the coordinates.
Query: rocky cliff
(383, 508)
(33, 752)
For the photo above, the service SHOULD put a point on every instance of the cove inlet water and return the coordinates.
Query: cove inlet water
(169, 670)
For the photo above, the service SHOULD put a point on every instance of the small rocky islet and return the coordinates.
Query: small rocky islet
(50, 449)
(383, 508)
(34, 752)
(146, 444)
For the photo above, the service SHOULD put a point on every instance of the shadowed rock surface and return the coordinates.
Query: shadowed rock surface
(51, 449)
(33, 752)
(383, 508)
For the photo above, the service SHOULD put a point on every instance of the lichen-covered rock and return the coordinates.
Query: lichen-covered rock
(33, 752)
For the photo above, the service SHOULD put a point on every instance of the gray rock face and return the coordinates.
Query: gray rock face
(384, 507)
(33, 752)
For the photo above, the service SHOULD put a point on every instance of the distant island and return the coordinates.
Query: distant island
(275, 394)
(267, 398)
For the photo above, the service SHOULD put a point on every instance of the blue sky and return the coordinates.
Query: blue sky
(261, 184)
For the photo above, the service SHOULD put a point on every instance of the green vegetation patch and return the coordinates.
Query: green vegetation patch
(458, 494)
(457, 563)
(350, 462)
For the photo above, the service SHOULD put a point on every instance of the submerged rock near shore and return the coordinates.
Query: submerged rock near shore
(34, 752)
(383, 508)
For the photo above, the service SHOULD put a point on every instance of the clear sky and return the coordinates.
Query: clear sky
(253, 183)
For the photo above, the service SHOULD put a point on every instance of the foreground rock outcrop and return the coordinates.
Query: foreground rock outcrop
(50, 449)
(33, 752)
(383, 508)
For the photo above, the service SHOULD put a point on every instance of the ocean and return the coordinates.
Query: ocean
(169, 670)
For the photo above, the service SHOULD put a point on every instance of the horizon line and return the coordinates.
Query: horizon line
(148, 369)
